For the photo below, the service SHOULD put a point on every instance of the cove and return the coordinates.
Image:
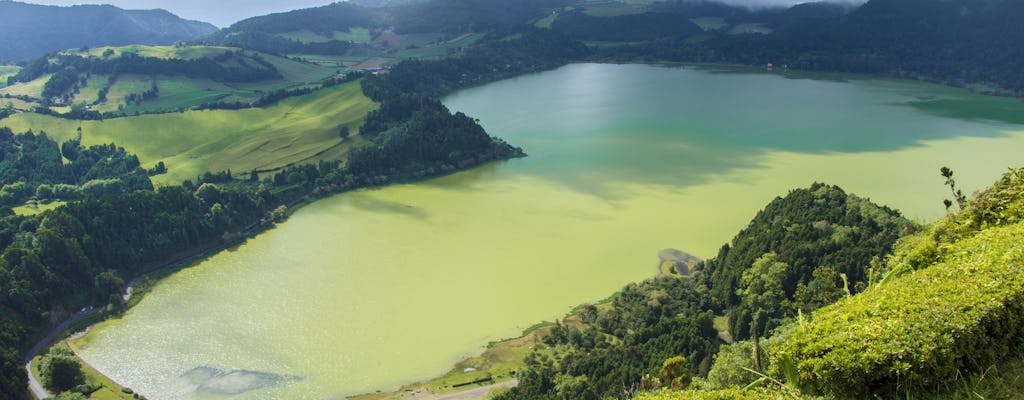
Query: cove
(371, 289)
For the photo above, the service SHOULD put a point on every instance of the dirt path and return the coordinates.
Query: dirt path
(474, 393)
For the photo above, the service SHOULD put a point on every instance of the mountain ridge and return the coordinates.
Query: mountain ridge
(31, 30)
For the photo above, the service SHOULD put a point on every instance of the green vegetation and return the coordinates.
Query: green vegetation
(7, 71)
(298, 129)
(923, 329)
(941, 319)
(650, 329)
(115, 81)
(30, 29)
(33, 166)
(60, 370)
(710, 23)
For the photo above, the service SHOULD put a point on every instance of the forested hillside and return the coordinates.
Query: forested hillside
(787, 261)
(30, 30)
(940, 318)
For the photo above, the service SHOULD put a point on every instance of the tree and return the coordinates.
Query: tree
(60, 370)
(673, 373)
(961, 200)
(733, 366)
(344, 132)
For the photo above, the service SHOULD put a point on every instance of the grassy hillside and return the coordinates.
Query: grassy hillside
(6, 71)
(124, 93)
(303, 128)
(941, 319)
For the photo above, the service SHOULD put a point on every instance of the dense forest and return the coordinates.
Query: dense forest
(954, 42)
(32, 166)
(803, 251)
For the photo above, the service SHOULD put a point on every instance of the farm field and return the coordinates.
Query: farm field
(298, 129)
(175, 92)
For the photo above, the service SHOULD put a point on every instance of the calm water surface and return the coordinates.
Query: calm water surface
(372, 289)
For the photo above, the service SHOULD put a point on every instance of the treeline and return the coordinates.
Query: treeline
(274, 44)
(502, 54)
(236, 66)
(952, 42)
(626, 28)
(790, 259)
(278, 95)
(31, 165)
(459, 16)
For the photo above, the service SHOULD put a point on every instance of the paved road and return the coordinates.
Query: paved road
(33, 384)
(38, 391)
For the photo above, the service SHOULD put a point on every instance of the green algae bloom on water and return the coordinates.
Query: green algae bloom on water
(375, 288)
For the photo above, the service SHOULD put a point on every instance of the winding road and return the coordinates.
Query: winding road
(33, 384)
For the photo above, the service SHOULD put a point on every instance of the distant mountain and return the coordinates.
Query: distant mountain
(29, 30)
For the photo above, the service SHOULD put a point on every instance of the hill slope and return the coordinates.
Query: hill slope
(29, 30)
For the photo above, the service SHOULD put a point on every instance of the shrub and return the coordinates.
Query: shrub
(726, 394)
(961, 314)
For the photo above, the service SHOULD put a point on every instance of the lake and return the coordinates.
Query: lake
(375, 288)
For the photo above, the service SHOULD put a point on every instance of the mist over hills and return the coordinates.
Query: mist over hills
(29, 30)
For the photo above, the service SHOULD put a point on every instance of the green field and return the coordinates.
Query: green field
(710, 23)
(354, 35)
(187, 53)
(297, 129)
(176, 92)
(88, 93)
(35, 208)
(743, 29)
(32, 89)
(7, 71)
(17, 103)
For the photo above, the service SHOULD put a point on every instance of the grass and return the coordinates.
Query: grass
(721, 324)
(710, 23)
(612, 10)
(36, 209)
(499, 362)
(88, 93)
(293, 130)
(743, 29)
(354, 35)
(32, 89)
(7, 71)
(187, 53)
(17, 103)
(106, 388)
(177, 92)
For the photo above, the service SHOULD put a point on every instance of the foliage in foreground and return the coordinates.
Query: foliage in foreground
(959, 315)
(724, 394)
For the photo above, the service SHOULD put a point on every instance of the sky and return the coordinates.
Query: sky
(226, 12)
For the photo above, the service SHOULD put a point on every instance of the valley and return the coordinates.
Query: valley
(603, 215)
(352, 199)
